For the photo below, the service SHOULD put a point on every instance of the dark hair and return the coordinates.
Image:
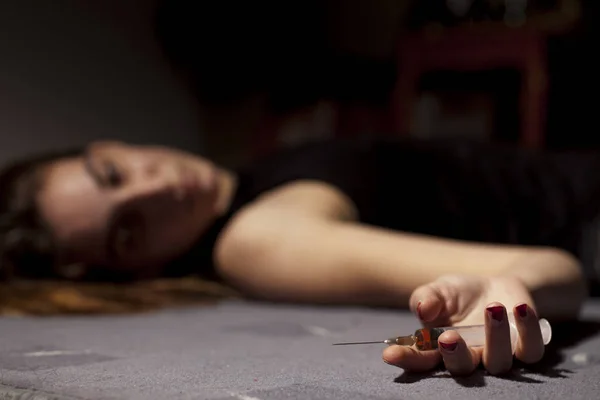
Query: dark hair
(29, 261)
(27, 248)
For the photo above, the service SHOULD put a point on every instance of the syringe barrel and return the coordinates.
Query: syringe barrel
(474, 335)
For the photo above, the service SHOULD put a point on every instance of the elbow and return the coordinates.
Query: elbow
(236, 264)
(240, 255)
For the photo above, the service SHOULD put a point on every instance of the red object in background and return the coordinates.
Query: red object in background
(464, 50)
(459, 49)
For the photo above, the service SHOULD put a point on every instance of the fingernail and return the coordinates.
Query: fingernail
(522, 310)
(496, 312)
(419, 311)
(448, 346)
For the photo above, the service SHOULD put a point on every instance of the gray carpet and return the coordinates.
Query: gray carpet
(248, 351)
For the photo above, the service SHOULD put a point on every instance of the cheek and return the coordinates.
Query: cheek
(171, 229)
(169, 236)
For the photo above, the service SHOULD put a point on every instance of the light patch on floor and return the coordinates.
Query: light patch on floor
(53, 353)
(243, 397)
(319, 331)
(581, 358)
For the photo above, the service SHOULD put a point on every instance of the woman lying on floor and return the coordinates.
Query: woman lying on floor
(460, 233)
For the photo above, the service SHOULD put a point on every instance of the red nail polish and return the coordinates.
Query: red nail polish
(522, 310)
(496, 312)
(448, 346)
(419, 311)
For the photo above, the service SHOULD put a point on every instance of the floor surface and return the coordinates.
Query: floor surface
(251, 351)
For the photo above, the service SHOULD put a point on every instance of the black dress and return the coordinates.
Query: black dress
(449, 188)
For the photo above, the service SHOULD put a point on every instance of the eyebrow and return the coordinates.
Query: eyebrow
(89, 167)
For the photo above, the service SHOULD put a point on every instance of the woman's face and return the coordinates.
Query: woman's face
(129, 207)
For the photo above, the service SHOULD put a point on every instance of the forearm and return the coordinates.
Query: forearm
(393, 264)
(306, 260)
(316, 260)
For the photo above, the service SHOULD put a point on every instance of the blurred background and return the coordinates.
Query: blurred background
(234, 79)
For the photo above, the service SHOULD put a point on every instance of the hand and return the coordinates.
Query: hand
(468, 300)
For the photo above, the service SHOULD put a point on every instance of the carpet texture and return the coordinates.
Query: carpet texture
(240, 350)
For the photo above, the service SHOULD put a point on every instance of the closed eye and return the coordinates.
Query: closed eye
(111, 174)
(105, 172)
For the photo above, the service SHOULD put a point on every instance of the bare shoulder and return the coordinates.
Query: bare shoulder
(258, 229)
(312, 197)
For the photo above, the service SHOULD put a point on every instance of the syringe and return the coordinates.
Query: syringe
(473, 335)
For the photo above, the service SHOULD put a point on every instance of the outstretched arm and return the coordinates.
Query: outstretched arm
(284, 250)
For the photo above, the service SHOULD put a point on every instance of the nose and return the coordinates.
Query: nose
(146, 167)
(149, 179)
(153, 198)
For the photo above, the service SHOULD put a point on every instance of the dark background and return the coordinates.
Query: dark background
(73, 71)
(205, 75)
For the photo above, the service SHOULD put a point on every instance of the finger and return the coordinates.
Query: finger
(497, 352)
(427, 302)
(411, 359)
(530, 347)
(458, 358)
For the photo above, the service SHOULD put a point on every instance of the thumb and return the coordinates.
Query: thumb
(432, 303)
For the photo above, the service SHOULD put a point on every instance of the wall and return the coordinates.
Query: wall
(73, 71)
(369, 29)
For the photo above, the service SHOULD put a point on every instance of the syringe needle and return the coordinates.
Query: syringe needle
(401, 340)
(353, 343)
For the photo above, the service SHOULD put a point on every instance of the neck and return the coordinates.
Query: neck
(228, 183)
